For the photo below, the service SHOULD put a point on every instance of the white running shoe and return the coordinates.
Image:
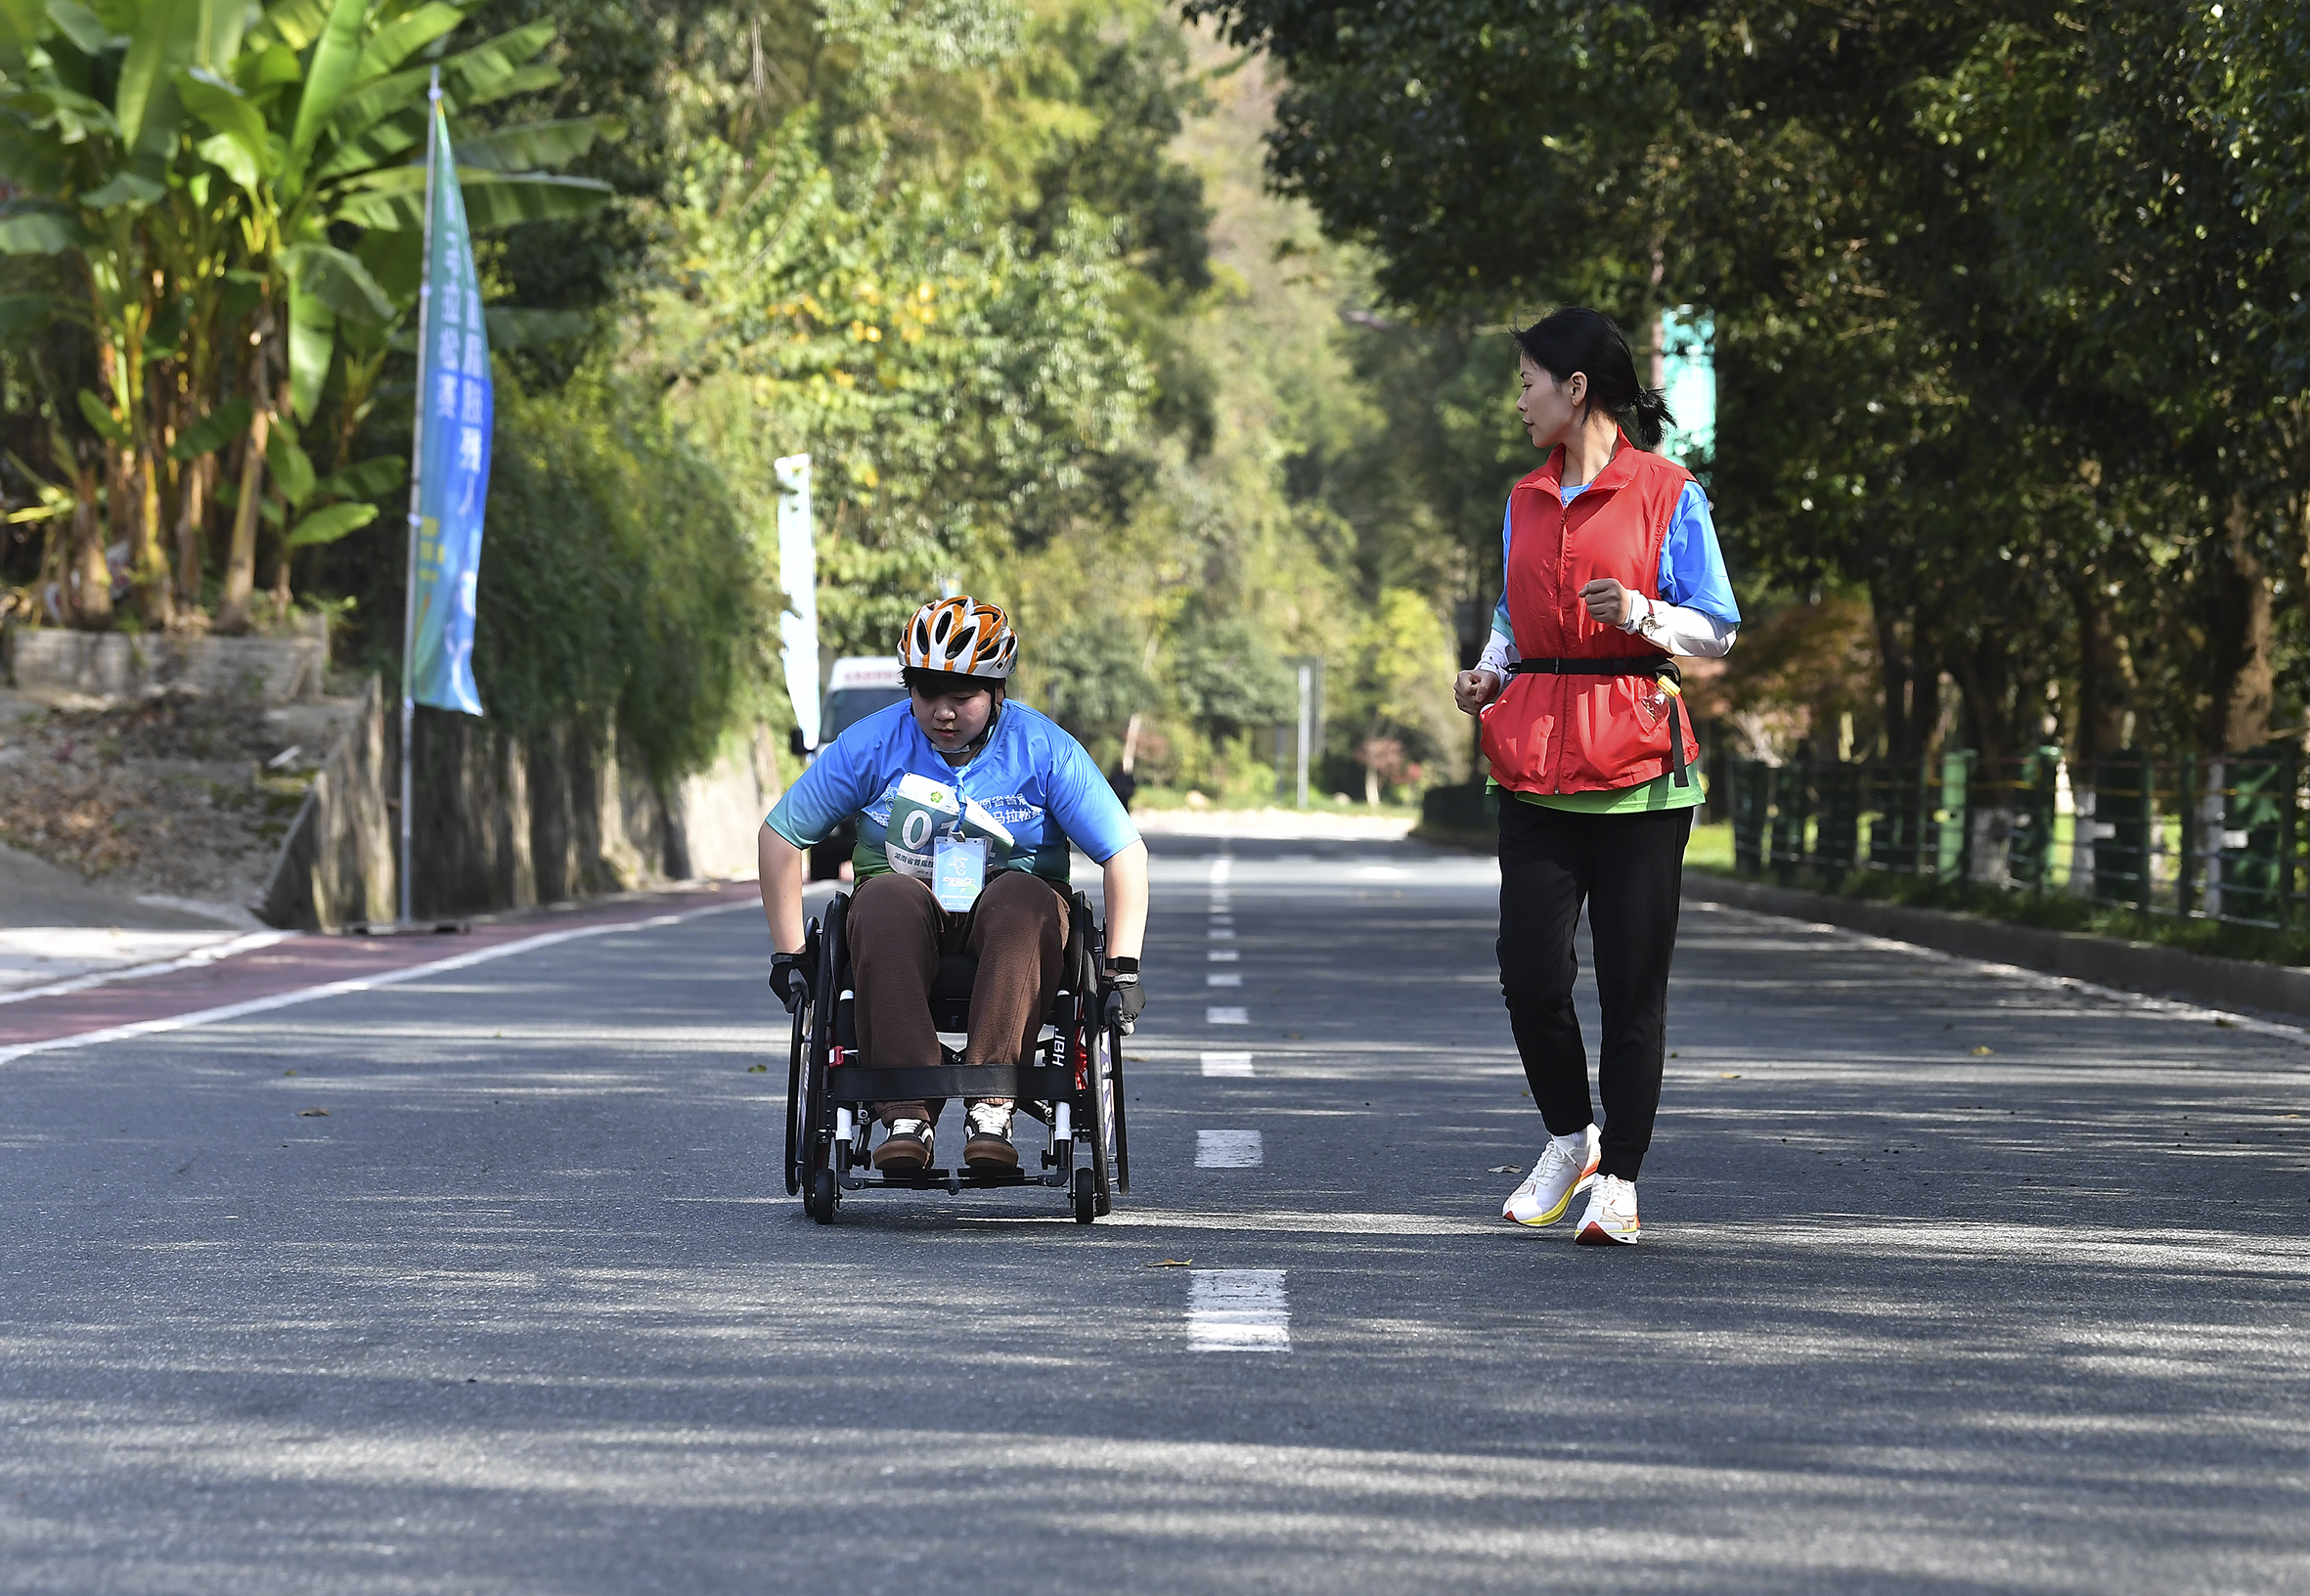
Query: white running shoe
(1612, 1213)
(1567, 1165)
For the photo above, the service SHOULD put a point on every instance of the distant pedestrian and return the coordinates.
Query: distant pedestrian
(1125, 785)
(1610, 567)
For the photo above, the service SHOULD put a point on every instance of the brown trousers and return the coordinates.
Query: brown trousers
(1017, 931)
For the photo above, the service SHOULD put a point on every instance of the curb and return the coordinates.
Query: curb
(2133, 966)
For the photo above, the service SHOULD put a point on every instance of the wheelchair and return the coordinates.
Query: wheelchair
(1072, 1081)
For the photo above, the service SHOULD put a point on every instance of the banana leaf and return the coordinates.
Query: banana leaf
(329, 525)
(212, 431)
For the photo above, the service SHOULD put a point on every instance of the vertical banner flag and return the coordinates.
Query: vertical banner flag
(798, 627)
(453, 458)
(1688, 379)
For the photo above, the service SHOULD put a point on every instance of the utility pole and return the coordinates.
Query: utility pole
(1307, 725)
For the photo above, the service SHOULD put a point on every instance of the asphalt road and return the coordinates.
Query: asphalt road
(1953, 1280)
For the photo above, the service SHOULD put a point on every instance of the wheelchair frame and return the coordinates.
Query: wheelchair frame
(1072, 1082)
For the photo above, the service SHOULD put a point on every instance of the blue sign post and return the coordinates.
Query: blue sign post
(450, 487)
(1688, 371)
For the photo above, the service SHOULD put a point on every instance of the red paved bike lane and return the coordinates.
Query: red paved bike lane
(304, 968)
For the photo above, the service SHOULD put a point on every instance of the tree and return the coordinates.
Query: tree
(204, 169)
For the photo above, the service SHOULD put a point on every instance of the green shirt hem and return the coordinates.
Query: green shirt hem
(1645, 797)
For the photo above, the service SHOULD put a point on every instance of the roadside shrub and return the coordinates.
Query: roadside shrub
(618, 586)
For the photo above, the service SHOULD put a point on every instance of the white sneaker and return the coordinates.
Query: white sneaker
(1612, 1213)
(1567, 1165)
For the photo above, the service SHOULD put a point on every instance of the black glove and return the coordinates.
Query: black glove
(789, 978)
(1129, 998)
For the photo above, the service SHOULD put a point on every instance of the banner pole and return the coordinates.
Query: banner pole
(417, 471)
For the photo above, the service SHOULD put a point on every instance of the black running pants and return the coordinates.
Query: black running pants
(1630, 869)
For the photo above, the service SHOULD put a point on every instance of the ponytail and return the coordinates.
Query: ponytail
(1578, 339)
(1648, 418)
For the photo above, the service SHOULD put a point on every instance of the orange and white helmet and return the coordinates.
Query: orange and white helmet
(961, 637)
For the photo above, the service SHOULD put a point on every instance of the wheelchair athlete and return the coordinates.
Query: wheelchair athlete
(1042, 786)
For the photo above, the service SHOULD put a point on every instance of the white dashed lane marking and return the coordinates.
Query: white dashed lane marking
(1238, 1310)
(1229, 1150)
(1219, 1014)
(1230, 980)
(1226, 1064)
(1225, 955)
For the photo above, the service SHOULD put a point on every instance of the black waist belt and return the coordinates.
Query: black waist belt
(1659, 667)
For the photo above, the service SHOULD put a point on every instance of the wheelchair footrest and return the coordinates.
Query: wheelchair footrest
(946, 1179)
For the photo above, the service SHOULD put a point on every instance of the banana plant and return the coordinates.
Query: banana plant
(317, 126)
(89, 127)
(297, 125)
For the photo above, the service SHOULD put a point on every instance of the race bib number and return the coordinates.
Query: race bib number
(925, 815)
(958, 873)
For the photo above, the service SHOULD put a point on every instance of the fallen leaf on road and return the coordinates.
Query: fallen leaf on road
(1170, 1264)
(757, 1069)
(1727, 1075)
(2227, 1025)
(289, 1072)
(312, 1113)
(1505, 1168)
(1984, 1052)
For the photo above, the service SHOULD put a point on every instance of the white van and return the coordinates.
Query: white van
(856, 688)
(859, 686)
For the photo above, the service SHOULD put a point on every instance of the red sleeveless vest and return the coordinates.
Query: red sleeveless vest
(1583, 733)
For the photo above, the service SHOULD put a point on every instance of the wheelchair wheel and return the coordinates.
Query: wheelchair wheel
(815, 1171)
(1122, 1132)
(1102, 1124)
(794, 1054)
(1086, 1202)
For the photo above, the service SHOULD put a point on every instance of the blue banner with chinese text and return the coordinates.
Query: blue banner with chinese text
(453, 482)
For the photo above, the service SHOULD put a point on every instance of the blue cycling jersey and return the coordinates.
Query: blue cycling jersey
(1039, 782)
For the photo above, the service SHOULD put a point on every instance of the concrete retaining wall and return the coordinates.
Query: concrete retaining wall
(2133, 966)
(123, 665)
(503, 825)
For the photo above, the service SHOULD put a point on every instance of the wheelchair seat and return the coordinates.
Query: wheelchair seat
(950, 992)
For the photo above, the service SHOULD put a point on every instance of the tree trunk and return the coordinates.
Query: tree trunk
(1984, 687)
(1892, 665)
(2105, 671)
(280, 581)
(231, 610)
(88, 582)
(147, 553)
(2241, 675)
(191, 528)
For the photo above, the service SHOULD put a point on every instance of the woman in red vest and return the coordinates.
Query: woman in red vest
(1612, 567)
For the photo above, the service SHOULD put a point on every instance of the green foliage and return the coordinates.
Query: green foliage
(222, 176)
(1088, 677)
(2010, 335)
(1227, 673)
(619, 586)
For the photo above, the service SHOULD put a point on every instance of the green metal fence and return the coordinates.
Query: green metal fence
(2212, 838)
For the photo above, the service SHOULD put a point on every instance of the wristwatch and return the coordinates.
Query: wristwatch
(1647, 624)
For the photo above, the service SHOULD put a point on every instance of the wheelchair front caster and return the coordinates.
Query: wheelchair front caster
(824, 1197)
(1086, 1201)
